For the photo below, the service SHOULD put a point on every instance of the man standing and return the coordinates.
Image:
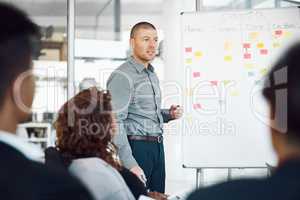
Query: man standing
(136, 98)
(282, 89)
(22, 176)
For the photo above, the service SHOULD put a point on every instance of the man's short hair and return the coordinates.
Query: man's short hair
(140, 25)
(19, 39)
(283, 85)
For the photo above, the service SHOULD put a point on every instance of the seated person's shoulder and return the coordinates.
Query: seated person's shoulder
(57, 181)
(92, 172)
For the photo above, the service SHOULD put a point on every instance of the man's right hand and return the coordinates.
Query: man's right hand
(139, 173)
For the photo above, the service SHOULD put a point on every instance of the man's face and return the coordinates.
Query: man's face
(144, 44)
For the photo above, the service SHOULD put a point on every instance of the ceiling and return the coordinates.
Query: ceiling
(87, 7)
(95, 18)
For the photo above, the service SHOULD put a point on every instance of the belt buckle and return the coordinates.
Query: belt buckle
(160, 139)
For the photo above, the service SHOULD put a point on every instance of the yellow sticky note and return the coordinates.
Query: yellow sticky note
(198, 54)
(263, 71)
(260, 45)
(249, 65)
(226, 82)
(189, 118)
(276, 45)
(253, 35)
(188, 61)
(227, 46)
(228, 58)
(189, 92)
(234, 93)
(287, 34)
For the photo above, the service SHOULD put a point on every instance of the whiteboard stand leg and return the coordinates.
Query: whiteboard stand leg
(201, 177)
(199, 180)
(229, 175)
(269, 171)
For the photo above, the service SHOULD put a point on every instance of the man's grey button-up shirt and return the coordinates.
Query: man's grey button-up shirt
(136, 99)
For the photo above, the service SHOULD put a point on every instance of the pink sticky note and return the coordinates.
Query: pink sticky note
(214, 82)
(264, 51)
(246, 45)
(278, 32)
(188, 49)
(196, 74)
(247, 56)
(197, 106)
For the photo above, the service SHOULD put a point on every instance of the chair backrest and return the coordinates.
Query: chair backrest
(53, 158)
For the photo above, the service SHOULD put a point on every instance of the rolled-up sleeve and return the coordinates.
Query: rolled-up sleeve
(121, 88)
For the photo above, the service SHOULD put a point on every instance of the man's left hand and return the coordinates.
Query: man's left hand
(176, 111)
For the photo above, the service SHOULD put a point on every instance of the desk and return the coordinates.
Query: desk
(47, 137)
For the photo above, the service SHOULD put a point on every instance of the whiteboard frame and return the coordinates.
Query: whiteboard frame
(183, 64)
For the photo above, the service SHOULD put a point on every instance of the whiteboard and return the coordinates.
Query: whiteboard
(225, 57)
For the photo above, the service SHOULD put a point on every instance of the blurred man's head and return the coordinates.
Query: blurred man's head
(143, 41)
(282, 91)
(18, 43)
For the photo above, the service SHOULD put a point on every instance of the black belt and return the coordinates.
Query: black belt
(157, 139)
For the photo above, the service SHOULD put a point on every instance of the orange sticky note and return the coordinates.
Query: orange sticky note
(253, 35)
(188, 49)
(196, 74)
(227, 46)
(197, 106)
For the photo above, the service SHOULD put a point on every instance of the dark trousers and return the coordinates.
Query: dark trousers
(151, 158)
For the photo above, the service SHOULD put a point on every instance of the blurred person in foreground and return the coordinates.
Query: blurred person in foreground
(22, 174)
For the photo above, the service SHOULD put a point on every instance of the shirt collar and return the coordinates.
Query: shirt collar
(151, 68)
(138, 66)
(30, 151)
